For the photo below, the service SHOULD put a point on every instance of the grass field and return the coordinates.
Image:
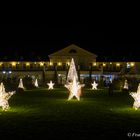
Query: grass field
(42, 114)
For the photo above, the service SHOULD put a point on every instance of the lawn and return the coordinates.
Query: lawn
(42, 114)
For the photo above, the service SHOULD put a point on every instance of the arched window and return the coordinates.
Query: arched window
(72, 51)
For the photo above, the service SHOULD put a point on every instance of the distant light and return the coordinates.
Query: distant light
(41, 63)
(10, 71)
(59, 63)
(118, 64)
(132, 64)
(128, 65)
(110, 62)
(27, 64)
(13, 64)
(94, 64)
(104, 64)
(4, 72)
(51, 63)
(59, 74)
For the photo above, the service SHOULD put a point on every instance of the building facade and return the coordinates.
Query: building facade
(56, 69)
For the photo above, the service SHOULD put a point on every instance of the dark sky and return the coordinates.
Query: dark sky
(37, 41)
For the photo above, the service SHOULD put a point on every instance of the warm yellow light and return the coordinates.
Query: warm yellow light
(51, 63)
(41, 63)
(94, 64)
(104, 64)
(1, 63)
(27, 64)
(68, 63)
(132, 64)
(118, 64)
(110, 62)
(59, 63)
(13, 64)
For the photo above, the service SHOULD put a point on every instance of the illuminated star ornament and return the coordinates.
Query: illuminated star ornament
(75, 89)
(51, 84)
(20, 84)
(136, 96)
(94, 85)
(4, 97)
(36, 83)
(73, 85)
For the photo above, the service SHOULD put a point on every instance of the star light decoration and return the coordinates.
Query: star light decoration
(136, 96)
(94, 85)
(20, 84)
(36, 83)
(51, 84)
(4, 97)
(73, 85)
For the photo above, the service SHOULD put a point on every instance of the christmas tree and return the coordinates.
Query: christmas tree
(20, 84)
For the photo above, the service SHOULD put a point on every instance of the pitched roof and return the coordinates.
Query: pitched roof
(72, 50)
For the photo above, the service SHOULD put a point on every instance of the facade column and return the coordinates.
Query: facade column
(44, 75)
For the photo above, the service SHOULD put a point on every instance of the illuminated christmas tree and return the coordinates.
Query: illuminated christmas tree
(73, 85)
(72, 72)
(4, 97)
(36, 83)
(20, 84)
(125, 85)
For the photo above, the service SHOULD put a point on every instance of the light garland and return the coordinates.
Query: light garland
(36, 83)
(51, 84)
(73, 85)
(20, 84)
(4, 97)
(136, 96)
(94, 85)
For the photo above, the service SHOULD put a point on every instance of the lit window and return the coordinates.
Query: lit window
(13, 64)
(41, 63)
(59, 63)
(132, 64)
(51, 63)
(118, 64)
(27, 64)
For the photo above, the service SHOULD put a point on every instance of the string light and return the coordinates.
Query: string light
(4, 97)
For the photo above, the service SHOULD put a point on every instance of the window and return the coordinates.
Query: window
(72, 51)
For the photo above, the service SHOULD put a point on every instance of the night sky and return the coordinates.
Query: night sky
(35, 42)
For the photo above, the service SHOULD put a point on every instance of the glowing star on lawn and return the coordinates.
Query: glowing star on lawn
(20, 84)
(75, 89)
(4, 97)
(94, 85)
(125, 85)
(36, 83)
(136, 96)
(50, 85)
